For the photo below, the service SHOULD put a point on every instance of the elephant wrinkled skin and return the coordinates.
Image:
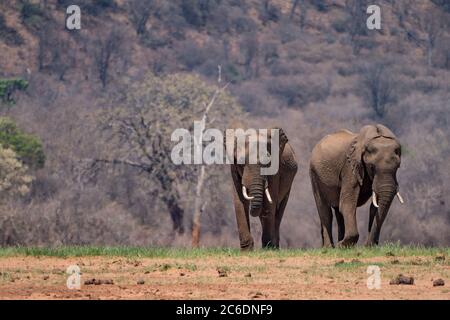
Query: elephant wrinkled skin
(263, 196)
(346, 170)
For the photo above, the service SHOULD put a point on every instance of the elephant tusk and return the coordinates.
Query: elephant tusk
(374, 199)
(269, 198)
(244, 192)
(400, 198)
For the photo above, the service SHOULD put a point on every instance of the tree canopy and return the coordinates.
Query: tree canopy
(28, 148)
(13, 177)
(142, 123)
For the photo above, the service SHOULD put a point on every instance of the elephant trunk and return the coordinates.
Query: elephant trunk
(257, 193)
(384, 190)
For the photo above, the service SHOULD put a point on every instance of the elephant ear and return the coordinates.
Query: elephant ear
(385, 132)
(358, 147)
(283, 139)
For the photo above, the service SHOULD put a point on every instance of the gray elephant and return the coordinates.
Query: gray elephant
(346, 170)
(263, 196)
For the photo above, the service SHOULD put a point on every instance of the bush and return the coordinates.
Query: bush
(9, 35)
(197, 12)
(92, 7)
(191, 55)
(299, 91)
(340, 25)
(287, 31)
(320, 5)
(32, 15)
(27, 147)
(269, 12)
(444, 4)
(13, 177)
(8, 87)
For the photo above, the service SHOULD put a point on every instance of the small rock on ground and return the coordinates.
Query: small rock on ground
(438, 283)
(98, 282)
(401, 279)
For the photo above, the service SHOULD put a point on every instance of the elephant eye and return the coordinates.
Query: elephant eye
(371, 149)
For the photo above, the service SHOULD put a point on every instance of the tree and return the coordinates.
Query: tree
(8, 34)
(269, 12)
(356, 23)
(106, 48)
(432, 26)
(139, 131)
(13, 177)
(28, 148)
(140, 11)
(55, 53)
(250, 51)
(377, 86)
(199, 203)
(9, 86)
(434, 22)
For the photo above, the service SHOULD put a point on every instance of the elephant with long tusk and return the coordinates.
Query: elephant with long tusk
(262, 196)
(348, 169)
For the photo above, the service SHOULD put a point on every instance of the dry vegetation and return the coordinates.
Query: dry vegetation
(306, 65)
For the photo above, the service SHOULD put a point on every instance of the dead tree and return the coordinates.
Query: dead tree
(377, 86)
(140, 11)
(199, 204)
(432, 26)
(106, 48)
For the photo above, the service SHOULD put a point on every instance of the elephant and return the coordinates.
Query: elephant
(263, 196)
(346, 170)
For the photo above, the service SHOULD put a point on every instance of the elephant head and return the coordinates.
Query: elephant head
(375, 152)
(254, 186)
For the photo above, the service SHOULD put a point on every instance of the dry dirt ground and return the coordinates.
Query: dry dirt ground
(222, 277)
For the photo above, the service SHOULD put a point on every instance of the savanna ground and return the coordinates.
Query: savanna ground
(163, 273)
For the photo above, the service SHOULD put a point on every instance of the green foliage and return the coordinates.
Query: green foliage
(8, 86)
(13, 177)
(27, 147)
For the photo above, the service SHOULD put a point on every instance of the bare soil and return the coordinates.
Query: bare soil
(219, 277)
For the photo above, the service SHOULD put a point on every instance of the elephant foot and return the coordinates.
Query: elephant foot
(348, 241)
(271, 247)
(370, 243)
(247, 245)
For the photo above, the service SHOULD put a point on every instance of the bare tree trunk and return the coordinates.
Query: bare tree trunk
(303, 13)
(430, 54)
(199, 204)
(294, 6)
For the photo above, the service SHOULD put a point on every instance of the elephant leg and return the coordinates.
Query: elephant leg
(372, 213)
(374, 231)
(326, 222)
(340, 223)
(325, 215)
(347, 206)
(268, 231)
(278, 217)
(243, 224)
